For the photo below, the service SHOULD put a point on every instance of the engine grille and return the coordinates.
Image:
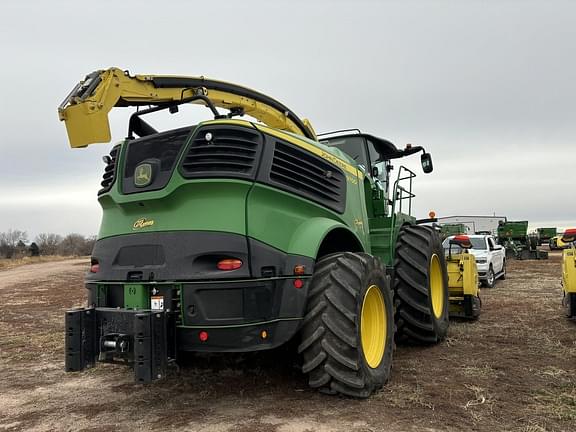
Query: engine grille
(110, 171)
(223, 152)
(295, 170)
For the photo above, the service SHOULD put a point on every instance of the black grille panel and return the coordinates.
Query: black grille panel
(298, 171)
(110, 171)
(223, 152)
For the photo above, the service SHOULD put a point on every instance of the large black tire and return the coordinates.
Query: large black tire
(331, 345)
(417, 319)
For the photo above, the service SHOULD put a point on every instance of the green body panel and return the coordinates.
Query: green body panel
(384, 233)
(136, 296)
(514, 230)
(453, 229)
(296, 225)
(205, 205)
(546, 233)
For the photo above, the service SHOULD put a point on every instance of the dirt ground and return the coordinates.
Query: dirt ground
(513, 370)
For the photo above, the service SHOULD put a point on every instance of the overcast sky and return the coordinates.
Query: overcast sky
(488, 87)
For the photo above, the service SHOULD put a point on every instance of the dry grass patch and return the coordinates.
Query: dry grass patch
(484, 371)
(6, 264)
(19, 347)
(559, 403)
(404, 396)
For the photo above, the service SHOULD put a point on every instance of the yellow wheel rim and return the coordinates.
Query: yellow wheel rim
(373, 324)
(436, 287)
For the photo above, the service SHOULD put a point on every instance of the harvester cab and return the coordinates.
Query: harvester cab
(234, 235)
(569, 273)
(374, 156)
(463, 282)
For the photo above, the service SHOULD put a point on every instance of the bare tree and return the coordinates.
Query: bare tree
(89, 245)
(48, 243)
(75, 244)
(10, 240)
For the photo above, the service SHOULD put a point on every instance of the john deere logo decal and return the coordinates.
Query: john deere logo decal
(143, 175)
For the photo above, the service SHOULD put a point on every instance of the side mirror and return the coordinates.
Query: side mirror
(375, 172)
(426, 161)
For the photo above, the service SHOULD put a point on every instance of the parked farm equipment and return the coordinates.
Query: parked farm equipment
(556, 243)
(513, 235)
(232, 235)
(453, 229)
(569, 273)
(545, 234)
(463, 283)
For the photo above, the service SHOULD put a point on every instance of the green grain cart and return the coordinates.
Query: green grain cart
(545, 234)
(232, 236)
(513, 235)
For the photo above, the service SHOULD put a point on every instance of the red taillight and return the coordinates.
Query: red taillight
(298, 283)
(203, 336)
(94, 266)
(229, 264)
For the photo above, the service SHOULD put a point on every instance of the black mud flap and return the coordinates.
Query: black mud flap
(140, 338)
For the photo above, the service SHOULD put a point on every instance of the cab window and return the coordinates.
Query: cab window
(353, 147)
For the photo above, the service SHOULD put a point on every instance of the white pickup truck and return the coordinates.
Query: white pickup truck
(490, 257)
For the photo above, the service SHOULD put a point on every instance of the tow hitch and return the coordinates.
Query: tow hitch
(141, 338)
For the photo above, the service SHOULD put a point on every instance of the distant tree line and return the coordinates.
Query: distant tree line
(14, 244)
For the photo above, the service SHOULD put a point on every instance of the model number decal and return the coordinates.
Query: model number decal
(142, 223)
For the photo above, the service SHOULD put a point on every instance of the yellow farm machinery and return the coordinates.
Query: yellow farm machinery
(569, 273)
(463, 284)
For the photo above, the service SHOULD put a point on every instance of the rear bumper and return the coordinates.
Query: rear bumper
(208, 316)
(150, 340)
(233, 313)
(246, 338)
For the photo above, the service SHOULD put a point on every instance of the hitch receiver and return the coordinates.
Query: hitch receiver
(135, 337)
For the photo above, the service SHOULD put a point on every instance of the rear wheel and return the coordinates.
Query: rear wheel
(348, 331)
(421, 286)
